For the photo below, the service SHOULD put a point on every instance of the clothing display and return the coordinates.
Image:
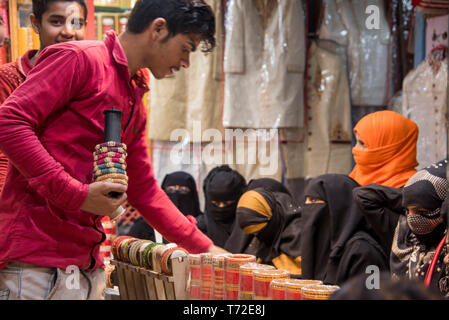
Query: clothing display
(345, 21)
(336, 241)
(327, 138)
(264, 64)
(424, 101)
(390, 157)
(431, 6)
(436, 33)
(253, 156)
(419, 29)
(191, 99)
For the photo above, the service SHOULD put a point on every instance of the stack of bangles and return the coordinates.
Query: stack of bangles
(110, 163)
(147, 254)
(110, 166)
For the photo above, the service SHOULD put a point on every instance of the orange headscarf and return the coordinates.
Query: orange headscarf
(390, 159)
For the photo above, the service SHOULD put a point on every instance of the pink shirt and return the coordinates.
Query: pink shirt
(49, 128)
(12, 75)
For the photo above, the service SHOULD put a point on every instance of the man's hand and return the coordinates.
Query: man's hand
(216, 250)
(98, 200)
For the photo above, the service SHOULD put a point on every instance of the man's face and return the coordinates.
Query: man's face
(172, 54)
(62, 21)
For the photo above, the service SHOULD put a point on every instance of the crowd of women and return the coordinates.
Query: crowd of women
(384, 215)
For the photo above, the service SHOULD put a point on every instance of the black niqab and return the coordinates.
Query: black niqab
(328, 228)
(222, 184)
(187, 203)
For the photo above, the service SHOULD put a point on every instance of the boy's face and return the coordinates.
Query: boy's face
(172, 54)
(62, 21)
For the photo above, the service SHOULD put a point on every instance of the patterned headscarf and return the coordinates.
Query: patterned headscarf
(427, 189)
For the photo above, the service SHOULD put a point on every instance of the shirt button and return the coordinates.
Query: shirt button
(310, 149)
(130, 103)
(310, 133)
(310, 118)
(436, 98)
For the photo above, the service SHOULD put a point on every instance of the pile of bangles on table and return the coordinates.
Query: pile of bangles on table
(240, 277)
(146, 253)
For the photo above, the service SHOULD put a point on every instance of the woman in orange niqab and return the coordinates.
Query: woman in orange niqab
(385, 152)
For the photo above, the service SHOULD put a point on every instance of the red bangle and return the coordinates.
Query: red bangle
(166, 255)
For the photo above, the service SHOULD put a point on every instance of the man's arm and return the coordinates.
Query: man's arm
(51, 85)
(153, 204)
(8, 83)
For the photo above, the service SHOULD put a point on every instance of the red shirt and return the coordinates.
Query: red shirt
(12, 75)
(49, 128)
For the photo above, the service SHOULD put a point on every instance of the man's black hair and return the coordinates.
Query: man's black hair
(40, 6)
(182, 16)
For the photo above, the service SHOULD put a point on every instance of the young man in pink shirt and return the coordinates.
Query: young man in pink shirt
(50, 211)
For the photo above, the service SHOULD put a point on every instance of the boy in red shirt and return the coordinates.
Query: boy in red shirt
(50, 211)
(49, 20)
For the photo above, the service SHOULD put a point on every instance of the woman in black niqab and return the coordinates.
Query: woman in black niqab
(336, 241)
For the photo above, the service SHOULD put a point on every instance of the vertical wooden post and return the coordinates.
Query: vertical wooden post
(13, 29)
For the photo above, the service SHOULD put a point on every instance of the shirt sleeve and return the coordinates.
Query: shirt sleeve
(145, 194)
(6, 88)
(50, 85)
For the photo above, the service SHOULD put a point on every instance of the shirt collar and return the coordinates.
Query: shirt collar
(113, 44)
(24, 62)
(141, 78)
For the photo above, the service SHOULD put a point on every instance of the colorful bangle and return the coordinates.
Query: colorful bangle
(167, 256)
(112, 155)
(112, 176)
(109, 160)
(109, 165)
(111, 144)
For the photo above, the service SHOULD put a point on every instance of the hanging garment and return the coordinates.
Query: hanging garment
(264, 64)
(424, 101)
(192, 98)
(368, 48)
(419, 27)
(327, 141)
(336, 241)
(436, 33)
(432, 6)
(390, 157)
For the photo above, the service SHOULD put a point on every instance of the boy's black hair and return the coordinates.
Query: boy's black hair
(182, 16)
(40, 6)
